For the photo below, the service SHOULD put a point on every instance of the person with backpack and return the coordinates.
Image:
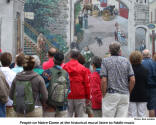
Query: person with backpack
(4, 94)
(95, 87)
(79, 85)
(57, 90)
(28, 91)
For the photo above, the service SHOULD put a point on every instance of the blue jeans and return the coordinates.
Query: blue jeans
(2, 110)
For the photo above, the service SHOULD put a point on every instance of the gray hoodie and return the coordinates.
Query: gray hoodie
(40, 92)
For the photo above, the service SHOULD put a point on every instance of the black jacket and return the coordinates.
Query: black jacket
(139, 92)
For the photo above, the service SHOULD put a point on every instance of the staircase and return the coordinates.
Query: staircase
(30, 43)
(30, 48)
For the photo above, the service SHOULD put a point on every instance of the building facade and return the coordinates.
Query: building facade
(152, 13)
(142, 12)
(11, 26)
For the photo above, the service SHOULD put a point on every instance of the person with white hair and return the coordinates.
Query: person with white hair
(37, 68)
(150, 65)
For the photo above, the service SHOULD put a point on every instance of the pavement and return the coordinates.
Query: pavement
(104, 30)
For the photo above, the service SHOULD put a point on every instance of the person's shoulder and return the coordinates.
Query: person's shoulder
(123, 58)
(106, 59)
(12, 73)
(2, 75)
(44, 63)
(143, 68)
(64, 71)
(95, 74)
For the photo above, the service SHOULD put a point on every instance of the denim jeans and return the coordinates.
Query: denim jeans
(2, 110)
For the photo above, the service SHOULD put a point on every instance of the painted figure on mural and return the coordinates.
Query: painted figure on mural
(41, 45)
(119, 35)
(116, 31)
(85, 18)
(88, 56)
(142, 46)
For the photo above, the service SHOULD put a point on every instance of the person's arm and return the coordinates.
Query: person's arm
(104, 78)
(4, 90)
(131, 77)
(68, 84)
(12, 90)
(96, 88)
(87, 85)
(104, 86)
(131, 83)
(43, 90)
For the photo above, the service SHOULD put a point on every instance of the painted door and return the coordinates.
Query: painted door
(123, 11)
(18, 45)
(103, 3)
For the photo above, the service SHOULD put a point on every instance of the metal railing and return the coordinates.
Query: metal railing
(33, 34)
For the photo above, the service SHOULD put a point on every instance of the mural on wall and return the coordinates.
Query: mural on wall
(100, 22)
(47, 21)
(97, 23)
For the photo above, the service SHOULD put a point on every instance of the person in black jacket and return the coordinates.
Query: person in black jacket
(138, 97)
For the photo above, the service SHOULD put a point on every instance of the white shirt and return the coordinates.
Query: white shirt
(9, 76)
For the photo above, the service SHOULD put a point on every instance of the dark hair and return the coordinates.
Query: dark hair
(20, 59)
(135, 58)
(29, 63)
(96, 61)
(6, 59)
(74, 54)
(81, 59)
(58, 58)
(114, 48)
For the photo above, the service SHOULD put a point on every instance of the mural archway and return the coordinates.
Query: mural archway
(145, 41)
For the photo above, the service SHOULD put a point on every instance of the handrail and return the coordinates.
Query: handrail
(34, 48)
(36, 33)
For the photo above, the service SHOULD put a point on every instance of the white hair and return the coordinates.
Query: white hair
(37, 60)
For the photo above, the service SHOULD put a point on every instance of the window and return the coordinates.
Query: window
(121, 5)
(103, 1)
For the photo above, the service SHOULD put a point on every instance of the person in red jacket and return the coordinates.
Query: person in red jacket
(95, 87)
(50, 63)
(82, 61)
(79, 86)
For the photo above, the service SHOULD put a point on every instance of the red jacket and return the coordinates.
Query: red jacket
(48, 64)
(79, 82)
(95, 88)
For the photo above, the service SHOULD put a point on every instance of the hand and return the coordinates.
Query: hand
(103, 94)
(88, 101)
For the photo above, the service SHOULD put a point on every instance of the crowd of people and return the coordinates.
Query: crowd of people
(113, 86)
